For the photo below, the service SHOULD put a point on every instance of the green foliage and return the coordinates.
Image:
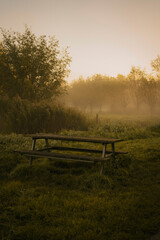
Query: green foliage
(155, 128)
(22, 116)
(120, 129)
(124, 127)
(156, 65)
(68, 200)
(32, 67)
(95, 182)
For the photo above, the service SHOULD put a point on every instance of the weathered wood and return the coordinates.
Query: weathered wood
(113, 151)
(45, 152)
(64, 156)
(74, 149)
(73, 138)
(33, 143)
(33, 148)
(103, 156)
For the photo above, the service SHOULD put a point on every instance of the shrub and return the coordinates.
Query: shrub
(23, 116)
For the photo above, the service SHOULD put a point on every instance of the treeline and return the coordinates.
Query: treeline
(136, 93)
(32, 79)
(32, 76)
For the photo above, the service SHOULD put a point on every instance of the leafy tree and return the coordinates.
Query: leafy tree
(32, 67)
(136, 77)
(99, 92)
(156, 65)
(143, 88)
(150, 93)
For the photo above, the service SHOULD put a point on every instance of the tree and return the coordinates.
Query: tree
(150, 93)
(136, 77)
(32, 67)
(156, 65)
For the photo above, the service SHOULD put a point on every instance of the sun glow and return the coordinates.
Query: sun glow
(106, 37)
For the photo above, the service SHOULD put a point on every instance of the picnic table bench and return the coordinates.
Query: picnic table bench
(46, 151)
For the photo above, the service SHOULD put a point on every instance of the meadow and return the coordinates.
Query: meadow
(59, 200)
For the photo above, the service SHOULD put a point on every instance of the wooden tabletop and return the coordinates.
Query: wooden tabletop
(73, 138)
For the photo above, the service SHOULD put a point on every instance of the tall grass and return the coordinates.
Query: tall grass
(22, 116)
(70, 200)
(124, 127)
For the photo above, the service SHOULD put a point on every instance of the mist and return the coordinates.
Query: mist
(138, 93)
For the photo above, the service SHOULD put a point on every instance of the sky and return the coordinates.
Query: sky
(104, 36)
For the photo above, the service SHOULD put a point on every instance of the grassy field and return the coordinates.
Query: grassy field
(58, 200)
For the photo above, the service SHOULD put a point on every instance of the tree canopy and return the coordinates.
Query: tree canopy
(32, 67)
(156, 65)
(138, 92)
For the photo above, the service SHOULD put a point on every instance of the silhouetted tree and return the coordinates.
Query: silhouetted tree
(156, 65)
(32, 67)
(150, 93)
(135, 78)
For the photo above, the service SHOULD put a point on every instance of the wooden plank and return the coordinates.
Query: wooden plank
(73, 138)
(33, 148)
(64, 156)
(103, 156)
(79, 150)
(61, 158)
(73, 149)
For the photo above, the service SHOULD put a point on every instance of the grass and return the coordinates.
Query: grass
(58, 200)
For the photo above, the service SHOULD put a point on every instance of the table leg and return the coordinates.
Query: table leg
(47, 145)
(113, 155)
(103, 155)
(33, 148)
(113, 151)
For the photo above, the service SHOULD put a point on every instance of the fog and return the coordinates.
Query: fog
(138, 93)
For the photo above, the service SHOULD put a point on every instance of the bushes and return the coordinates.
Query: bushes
(23, 116)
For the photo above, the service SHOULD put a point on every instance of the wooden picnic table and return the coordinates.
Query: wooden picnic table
(45, 152)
